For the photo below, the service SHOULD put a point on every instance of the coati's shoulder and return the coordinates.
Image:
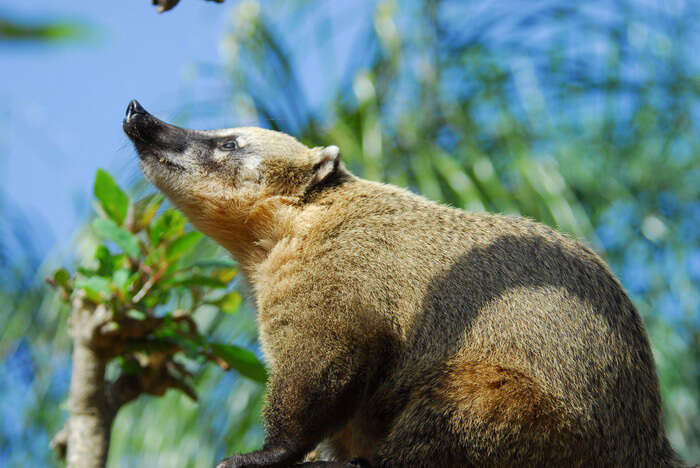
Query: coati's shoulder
(359, 204)
(366, 234)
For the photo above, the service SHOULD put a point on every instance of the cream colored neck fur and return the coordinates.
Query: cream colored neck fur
(249, 228)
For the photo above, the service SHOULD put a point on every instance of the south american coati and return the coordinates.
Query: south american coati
(399, 332)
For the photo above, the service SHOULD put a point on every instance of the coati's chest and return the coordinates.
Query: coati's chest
(275, 283)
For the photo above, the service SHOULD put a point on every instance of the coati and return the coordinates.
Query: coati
(400, 332)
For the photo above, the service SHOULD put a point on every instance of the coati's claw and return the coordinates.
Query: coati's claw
(239, 461)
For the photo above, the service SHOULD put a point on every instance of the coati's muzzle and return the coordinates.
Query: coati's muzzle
(153, 137)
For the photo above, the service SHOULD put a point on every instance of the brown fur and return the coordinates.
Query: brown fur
(412, 334)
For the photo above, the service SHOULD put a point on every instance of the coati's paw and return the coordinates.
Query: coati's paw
(236, 461)
(357, 463)
(249, 460)
(268, 457)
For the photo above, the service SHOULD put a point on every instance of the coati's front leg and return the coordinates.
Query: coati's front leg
(312, 391)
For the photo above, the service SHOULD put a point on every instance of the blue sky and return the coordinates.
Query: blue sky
(63, 104)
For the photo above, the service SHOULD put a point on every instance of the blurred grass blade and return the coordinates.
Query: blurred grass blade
(13, 30)
(459, 182)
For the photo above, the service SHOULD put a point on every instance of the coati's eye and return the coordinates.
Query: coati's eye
(230, 145)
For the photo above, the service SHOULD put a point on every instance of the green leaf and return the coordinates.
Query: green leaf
(230, 303)
(200, 280)
(215, 263)
(136, 314)
(145, 209)
(153, 299)
(170, 332)
(122, 261)
(182, 245)
(61, 278)
(167, 278)
(131, 281)
(85, 271)
(123, 280)
(108, 229)
(242, 360)
(96, 288)
(120, 278)
(128, 366)
(225, 275)
(168, 225)
(114, 201)
(191, 346)
(105, 261)
(168, 329)
(155, 257)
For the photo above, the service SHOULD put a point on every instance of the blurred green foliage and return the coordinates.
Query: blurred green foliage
(16, 30)
(580, 115)
(142, 273)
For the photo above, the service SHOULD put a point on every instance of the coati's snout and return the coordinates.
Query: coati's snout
(155, 139)
(182, 162)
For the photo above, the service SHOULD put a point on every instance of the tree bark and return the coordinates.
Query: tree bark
(90, 419)
(90, 416)
(95, 401)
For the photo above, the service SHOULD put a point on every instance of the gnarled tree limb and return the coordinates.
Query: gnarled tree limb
(90, 419)
(94, 401)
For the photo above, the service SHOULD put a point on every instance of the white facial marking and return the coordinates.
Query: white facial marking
(251, 163)
(249, 169)
(222, 132)
(219, 156)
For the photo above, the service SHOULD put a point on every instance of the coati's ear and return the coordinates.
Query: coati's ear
(327, 160)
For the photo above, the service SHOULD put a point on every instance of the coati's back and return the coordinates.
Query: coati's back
(505, 335)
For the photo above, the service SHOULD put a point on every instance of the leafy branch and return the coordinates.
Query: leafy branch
(134, 305)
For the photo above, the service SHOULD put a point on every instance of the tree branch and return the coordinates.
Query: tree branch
(165, 5)
(98, 336)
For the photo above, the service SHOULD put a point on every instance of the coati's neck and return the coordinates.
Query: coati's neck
(251, 226)
(248, 229)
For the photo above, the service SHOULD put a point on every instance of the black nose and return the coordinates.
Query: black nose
(133, 109)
